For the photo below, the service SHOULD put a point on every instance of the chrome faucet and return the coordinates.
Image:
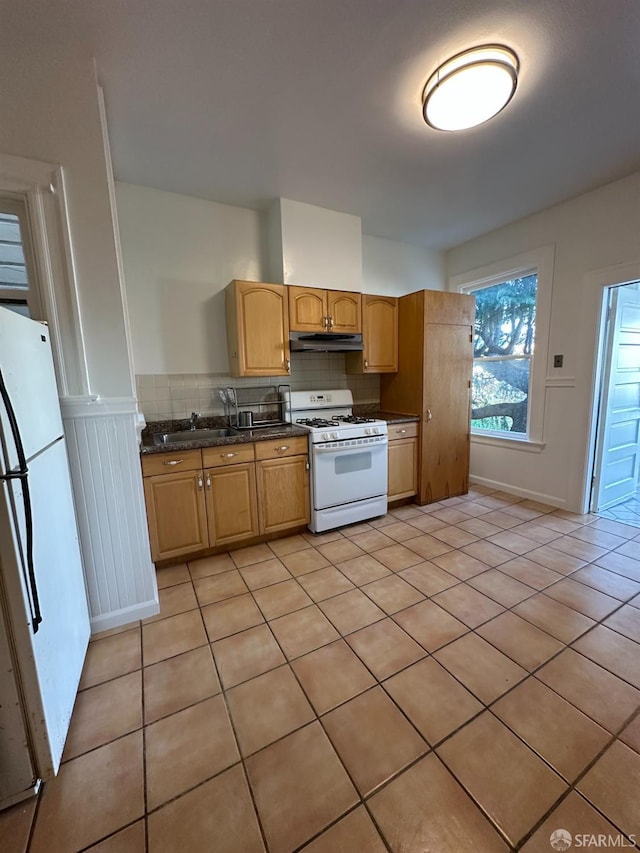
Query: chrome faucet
(192, 420)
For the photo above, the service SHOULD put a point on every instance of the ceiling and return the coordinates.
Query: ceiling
(243, 101)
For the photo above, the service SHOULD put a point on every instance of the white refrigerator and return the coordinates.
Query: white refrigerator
(44, 620)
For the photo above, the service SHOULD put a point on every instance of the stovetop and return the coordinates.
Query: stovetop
(337, 422)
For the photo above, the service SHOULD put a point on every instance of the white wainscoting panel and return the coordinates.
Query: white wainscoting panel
(105, 469)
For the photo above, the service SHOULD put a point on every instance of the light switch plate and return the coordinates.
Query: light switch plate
(557, 360)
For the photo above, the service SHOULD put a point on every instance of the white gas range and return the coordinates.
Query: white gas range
(348, 458)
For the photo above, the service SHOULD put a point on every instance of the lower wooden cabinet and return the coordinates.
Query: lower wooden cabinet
(283, 493)
(176, 514)
(403, 461)
(230, 499)
(232, 508)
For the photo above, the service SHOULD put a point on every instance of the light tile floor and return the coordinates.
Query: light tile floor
(463, 676)
(627, 511)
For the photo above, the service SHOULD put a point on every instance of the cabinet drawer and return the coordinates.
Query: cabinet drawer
(171, 463)
(230, 454)
(282, 447)
(402, 431)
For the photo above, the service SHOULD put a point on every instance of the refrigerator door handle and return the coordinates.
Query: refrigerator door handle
(23, 474)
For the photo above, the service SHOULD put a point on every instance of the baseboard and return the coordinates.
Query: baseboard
(122, 617)
(529, 494)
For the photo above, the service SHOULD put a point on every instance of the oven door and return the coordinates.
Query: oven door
(348, 471)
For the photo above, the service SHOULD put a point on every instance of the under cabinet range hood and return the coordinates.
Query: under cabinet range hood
(324, 342)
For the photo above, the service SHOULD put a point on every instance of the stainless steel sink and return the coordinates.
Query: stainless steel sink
(192, 435)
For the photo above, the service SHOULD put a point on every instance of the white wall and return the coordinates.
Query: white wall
(51, 113)
(179, 253)
(393, 268)
(591, 233)
(314, 247)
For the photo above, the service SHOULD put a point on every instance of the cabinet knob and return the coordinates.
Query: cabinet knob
(208, 481)
(287, 365)
(227, 455)
(282, 448)
(174, 462)
(427, 415)
(366, 364)
(200, 482)
(402, 431)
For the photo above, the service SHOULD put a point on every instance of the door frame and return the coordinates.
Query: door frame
(41, 187)
(597, 285)
(609, 322)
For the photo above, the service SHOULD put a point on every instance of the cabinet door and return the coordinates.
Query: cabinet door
(446, 308)
(380, 334)
(307, 309)
(258, 329)
(403, 468)
(448, 361)
(232, 509)
(283, 493)
(176, 514)
(344, 310)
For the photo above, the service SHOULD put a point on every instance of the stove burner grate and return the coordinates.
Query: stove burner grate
(354, 419)
(316, 422)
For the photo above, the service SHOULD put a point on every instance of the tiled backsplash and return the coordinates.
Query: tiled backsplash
(175, 395)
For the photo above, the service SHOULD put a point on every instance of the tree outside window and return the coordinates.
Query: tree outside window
(504, 339)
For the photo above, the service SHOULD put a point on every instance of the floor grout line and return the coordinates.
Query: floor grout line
(380, 682)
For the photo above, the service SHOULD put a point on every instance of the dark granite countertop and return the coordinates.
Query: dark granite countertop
(371, 411)
(245, 436)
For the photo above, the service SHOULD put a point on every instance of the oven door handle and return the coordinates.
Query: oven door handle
(354, 448)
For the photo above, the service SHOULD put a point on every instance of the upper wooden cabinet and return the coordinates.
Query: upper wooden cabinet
(379, 337)
(257, 329)
(307, 309)
(312, 309)
(344, 311)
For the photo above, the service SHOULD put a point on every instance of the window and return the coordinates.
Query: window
(513, 309)
(503, 346)
(15, 260)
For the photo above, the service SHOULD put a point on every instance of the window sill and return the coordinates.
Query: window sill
(510, 443)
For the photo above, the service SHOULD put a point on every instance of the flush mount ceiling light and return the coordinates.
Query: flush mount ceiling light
(470, 88)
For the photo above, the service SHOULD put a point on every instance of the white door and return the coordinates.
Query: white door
(617, 474)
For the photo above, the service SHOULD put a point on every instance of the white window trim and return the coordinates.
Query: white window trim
(538, 261)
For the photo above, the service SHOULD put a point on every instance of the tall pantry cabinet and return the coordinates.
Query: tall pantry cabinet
(435, 362)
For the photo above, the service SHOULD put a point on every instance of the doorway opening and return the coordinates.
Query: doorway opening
(18, 282)
(615, 485)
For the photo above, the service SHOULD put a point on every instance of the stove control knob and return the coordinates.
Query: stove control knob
(367, 431)
(334, 436)
(375, 430)
(325, 436)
